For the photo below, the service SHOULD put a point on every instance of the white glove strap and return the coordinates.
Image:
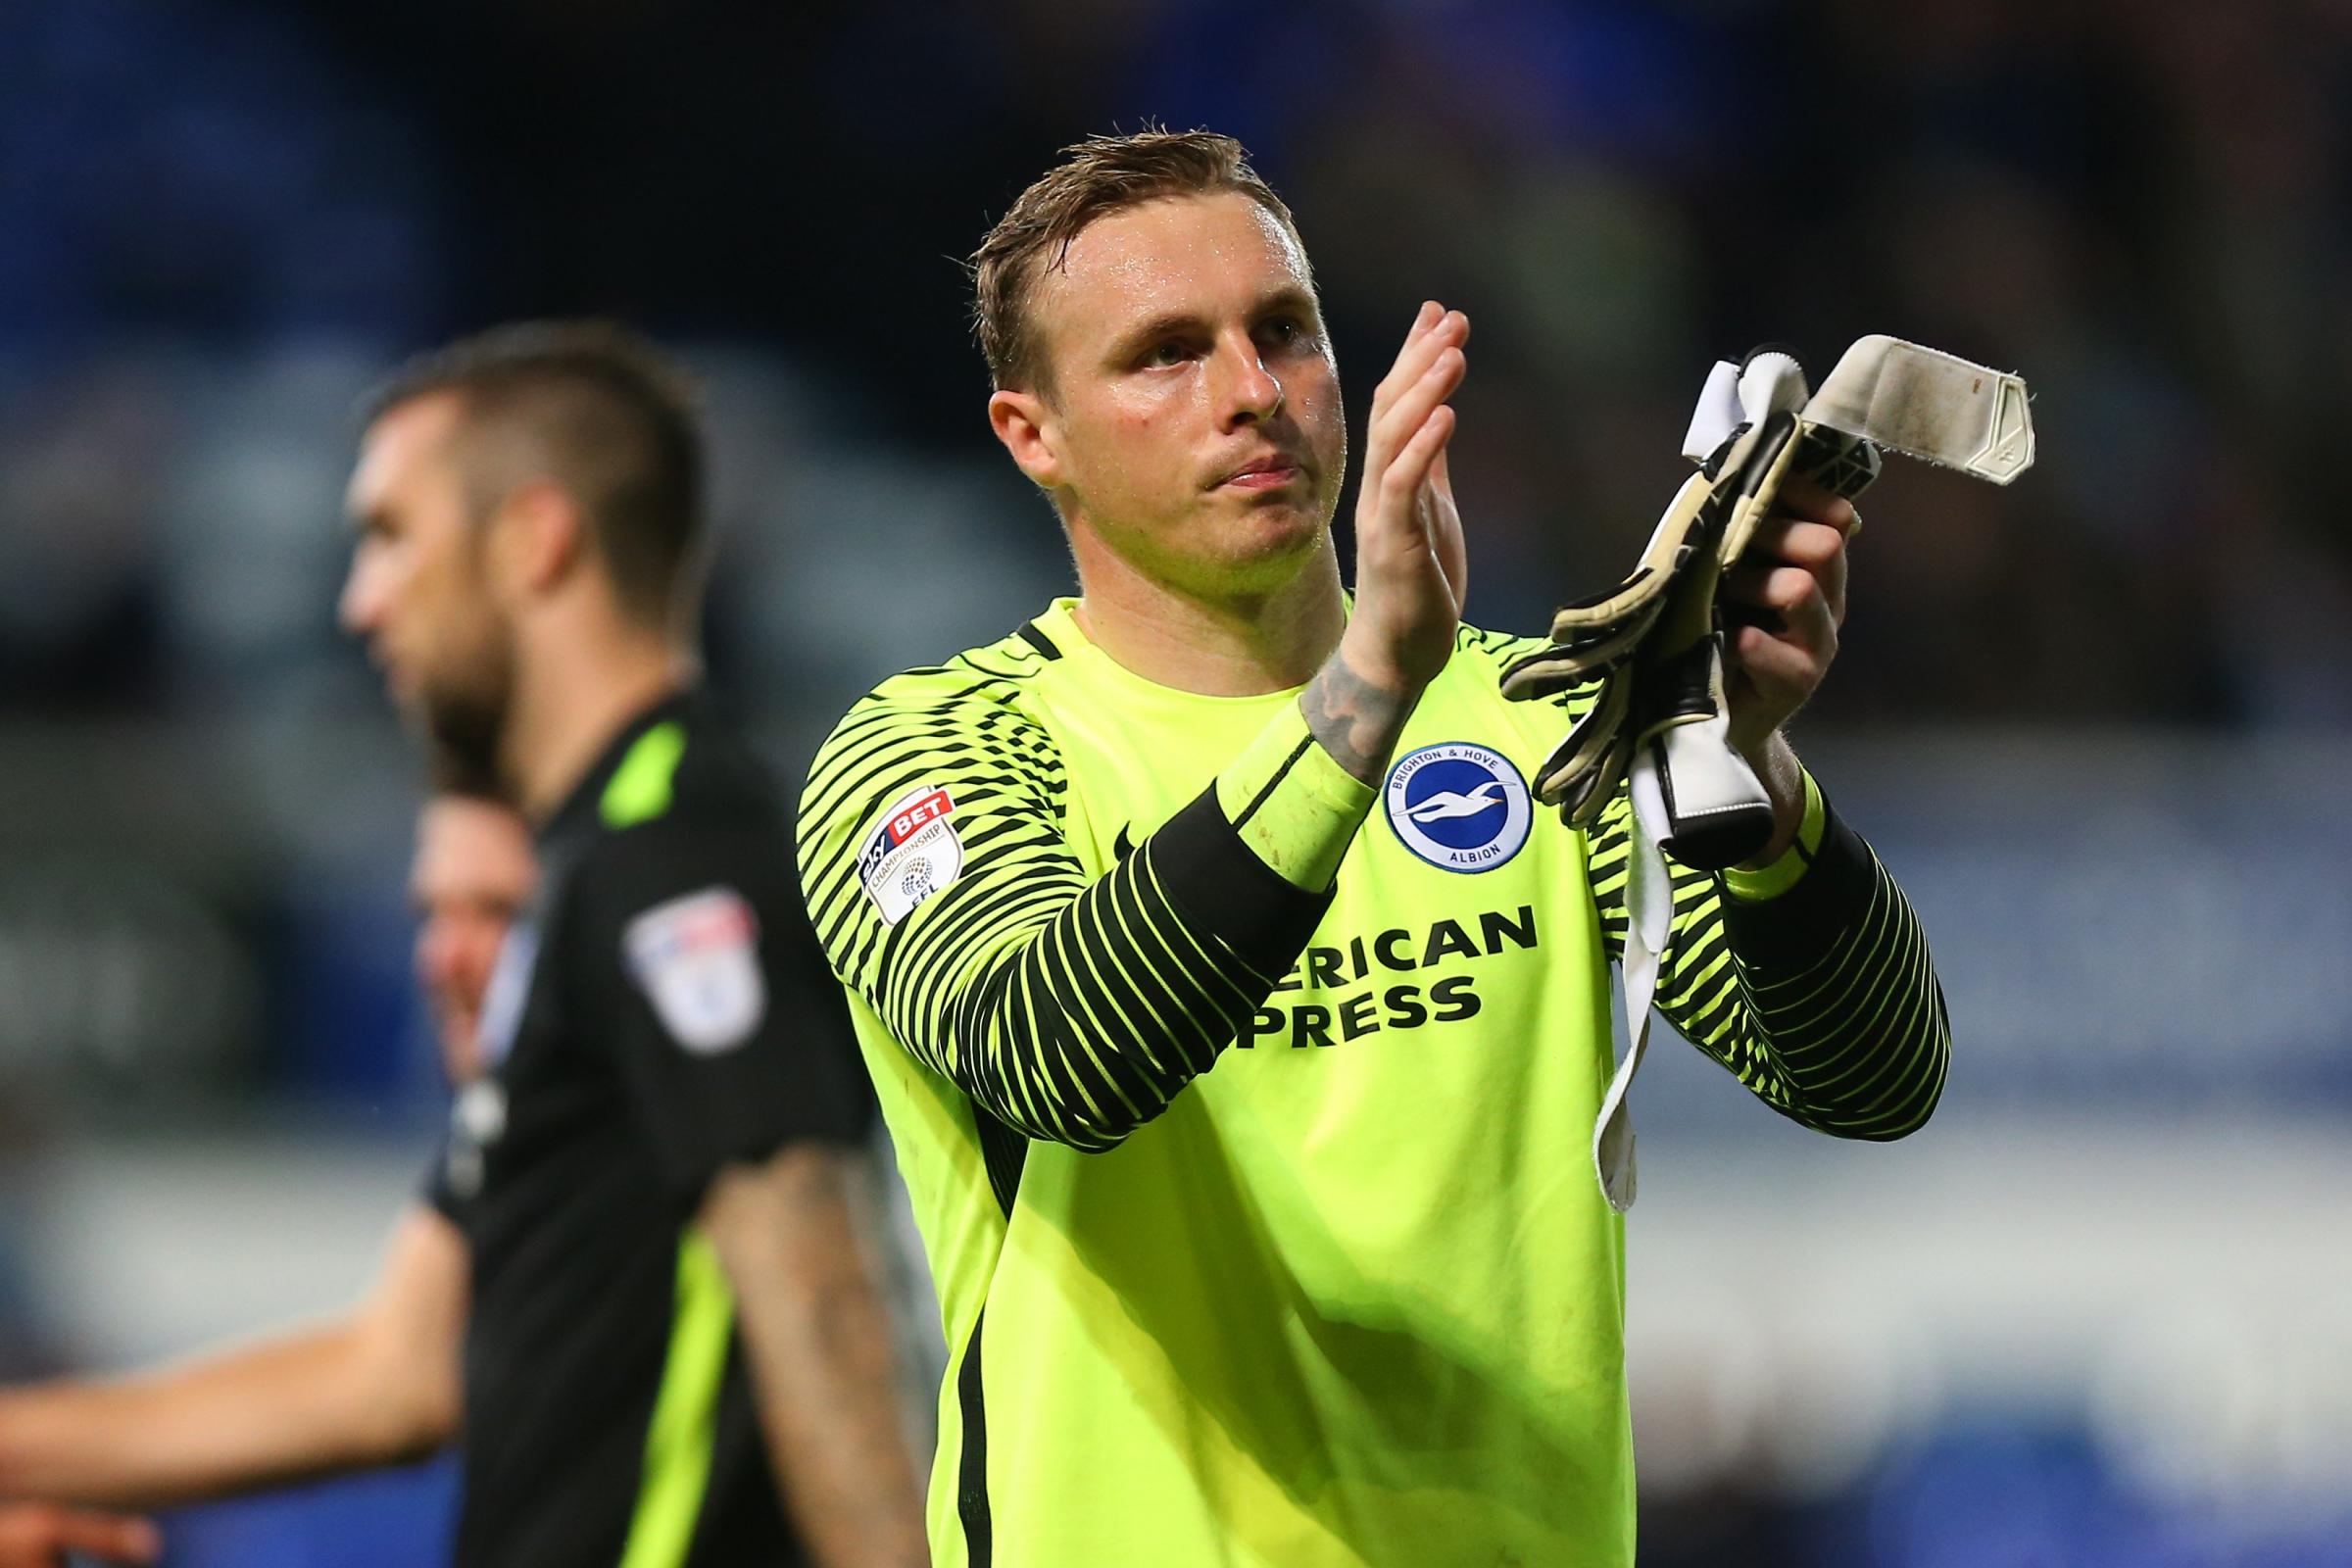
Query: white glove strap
(1734, 397)
(1649, 926)
(1717, 415)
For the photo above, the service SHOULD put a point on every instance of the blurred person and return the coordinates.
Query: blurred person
(473, 873)
(676, 1348)
(1354, 1297)
(377, 1386)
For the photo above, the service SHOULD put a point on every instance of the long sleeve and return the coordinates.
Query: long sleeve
(1821, 998)
(1071, 1009)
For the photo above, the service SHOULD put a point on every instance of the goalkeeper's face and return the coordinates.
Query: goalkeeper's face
(418, 590)
(1192, 421)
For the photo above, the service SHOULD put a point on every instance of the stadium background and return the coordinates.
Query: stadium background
(2099, 725)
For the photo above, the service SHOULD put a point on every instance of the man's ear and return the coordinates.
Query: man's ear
(536, 535)
(1026, 424)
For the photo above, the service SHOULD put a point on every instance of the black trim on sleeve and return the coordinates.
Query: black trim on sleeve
(1219, 884)
(1832, 896)
(1267, 793)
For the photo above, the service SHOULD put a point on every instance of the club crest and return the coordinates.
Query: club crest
(1458, 805)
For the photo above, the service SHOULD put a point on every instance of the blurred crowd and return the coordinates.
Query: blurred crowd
(218, 218)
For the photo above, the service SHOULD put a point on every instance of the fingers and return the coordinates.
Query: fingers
(1778, 663)
(1783, 671)
(1449, 332)
(1390, 509)
(1816, 549)
(1790, 637)
(1434, 330)
(1406, 415)
(1787, 595)
(1429, 316)
(1411, 563)
(1790, 601)
(1804, 498)
(1445, 526)
(41, 1533)
(1383, 394)
(1411, 468)
(110, 1538)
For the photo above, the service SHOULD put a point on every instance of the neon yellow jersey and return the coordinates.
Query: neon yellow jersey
(1260, 1201)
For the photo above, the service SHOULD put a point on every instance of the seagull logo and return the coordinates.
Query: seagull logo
(1459, 806)
(1446, 804)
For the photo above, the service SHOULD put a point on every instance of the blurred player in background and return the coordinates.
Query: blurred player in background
(377, 1386)
(677, 1351)
(1354, 1297)
(473, 872)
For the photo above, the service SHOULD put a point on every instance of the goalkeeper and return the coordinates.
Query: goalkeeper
(1354, 1296)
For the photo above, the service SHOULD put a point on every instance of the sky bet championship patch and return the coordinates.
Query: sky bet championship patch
(1458, 805)
(911, 854)
(698, 960)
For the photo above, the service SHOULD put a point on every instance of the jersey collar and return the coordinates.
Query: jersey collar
(579, 808)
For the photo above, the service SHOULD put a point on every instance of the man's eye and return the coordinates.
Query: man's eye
(1165, 356)
(1287, 333)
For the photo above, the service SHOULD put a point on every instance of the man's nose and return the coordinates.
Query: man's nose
(454, 963)
(1248, 392)
(362, 601)
(437, 956)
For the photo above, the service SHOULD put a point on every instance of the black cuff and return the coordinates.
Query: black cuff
(1219, 885)
(1796, 928)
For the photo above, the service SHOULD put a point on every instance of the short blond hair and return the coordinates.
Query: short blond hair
(1098, 176)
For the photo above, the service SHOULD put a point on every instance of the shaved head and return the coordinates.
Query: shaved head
(598, 412)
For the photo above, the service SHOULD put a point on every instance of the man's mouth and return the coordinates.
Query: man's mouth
(1268, 473)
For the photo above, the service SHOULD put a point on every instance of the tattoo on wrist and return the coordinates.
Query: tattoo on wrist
(1357, 722)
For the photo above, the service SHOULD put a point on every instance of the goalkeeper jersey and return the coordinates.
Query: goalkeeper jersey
(1248, 1111)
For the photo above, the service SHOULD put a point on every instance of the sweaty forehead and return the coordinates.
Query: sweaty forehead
(1172, 253)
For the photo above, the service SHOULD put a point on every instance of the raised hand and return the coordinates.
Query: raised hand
(1410, 569)
(1411, 572)
(1787, 595)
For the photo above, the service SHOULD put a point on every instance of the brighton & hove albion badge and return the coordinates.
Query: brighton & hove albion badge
(1458, 805)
